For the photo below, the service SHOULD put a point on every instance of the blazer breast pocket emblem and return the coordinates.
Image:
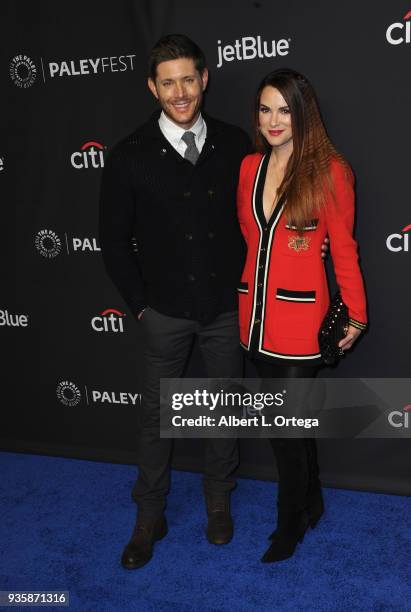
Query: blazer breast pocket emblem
(299, 243)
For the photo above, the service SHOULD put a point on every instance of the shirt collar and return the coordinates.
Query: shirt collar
(174, 132)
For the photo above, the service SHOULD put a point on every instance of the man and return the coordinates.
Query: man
(171, 244)
(170, 188)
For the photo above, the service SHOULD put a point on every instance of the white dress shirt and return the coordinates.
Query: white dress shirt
(173, 133)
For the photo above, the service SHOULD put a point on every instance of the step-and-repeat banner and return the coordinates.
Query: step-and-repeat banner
(74, 76)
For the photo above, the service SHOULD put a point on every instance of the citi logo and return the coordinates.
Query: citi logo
(400, 418)
(399, 242)
(250, 47)
(109, 320)
(10, 320)
(89, 156)
(399, 33)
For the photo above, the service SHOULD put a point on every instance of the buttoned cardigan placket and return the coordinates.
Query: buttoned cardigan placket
(262, 265)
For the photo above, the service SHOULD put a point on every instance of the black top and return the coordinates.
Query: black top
(169, 232)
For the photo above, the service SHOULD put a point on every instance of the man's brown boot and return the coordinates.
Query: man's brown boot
(139, 550)
(220, 523)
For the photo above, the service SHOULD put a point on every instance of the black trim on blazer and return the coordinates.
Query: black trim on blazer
(312, 225)
(295, 296)
(259, 198)
(263, 260)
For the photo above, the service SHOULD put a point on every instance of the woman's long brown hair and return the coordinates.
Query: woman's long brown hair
(307, 180)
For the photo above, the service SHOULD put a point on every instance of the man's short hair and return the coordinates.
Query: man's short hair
(174, 46)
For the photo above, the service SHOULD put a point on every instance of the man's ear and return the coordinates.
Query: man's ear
(152, 87)
(204, 78)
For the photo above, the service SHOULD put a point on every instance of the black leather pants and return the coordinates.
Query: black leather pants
(297, 464)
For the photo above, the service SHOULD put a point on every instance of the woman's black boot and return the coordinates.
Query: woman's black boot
(315, 506)
(290, 530)
(315, 502)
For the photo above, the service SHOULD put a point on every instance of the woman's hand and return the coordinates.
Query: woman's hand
(352, 335)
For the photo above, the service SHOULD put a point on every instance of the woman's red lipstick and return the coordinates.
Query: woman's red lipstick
(275, 132)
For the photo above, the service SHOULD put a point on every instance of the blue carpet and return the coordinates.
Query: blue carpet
(64, 523)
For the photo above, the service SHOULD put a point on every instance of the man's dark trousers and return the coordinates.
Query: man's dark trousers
(167, 343)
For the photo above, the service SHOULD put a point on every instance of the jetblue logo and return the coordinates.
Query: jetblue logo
(13, 320)
(250, 47)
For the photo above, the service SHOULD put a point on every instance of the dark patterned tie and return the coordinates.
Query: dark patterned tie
(191, 153)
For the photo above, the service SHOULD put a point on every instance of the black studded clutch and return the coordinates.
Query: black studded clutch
(333, 328)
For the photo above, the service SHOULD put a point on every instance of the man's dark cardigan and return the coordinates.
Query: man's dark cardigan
(168, 230)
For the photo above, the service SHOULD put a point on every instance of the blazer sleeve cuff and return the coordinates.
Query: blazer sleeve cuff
(358, 324)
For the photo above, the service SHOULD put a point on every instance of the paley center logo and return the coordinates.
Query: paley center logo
(399, 242)
(23, 71)
(400, 418)
(400, 32)
(49, 244)
(250, 47)
(110, 320)
(69, 394)
(91, 155)
(97, 65)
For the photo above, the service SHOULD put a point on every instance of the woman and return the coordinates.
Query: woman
(293, 192)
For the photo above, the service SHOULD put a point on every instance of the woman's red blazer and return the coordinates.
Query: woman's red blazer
(283, 294)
